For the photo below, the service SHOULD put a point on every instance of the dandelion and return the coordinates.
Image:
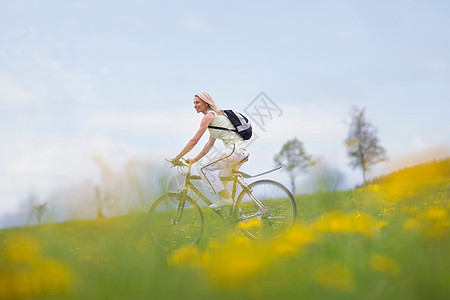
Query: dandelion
(384, 264)
(373, 188)
(437, 221)
(188, 256)
(409, 182)
(388, 210)
(250, 223)
(293, 241)
(381, 224)
(436, 213)
(227, 264)
(333, 222)
(432, 223)
(411, 224)
(213, 245)
(26, 273)
(334, 275)
(238, 259)
(21, 249)
(336, 222)
(237, 266)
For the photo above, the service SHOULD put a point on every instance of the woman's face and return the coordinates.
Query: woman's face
(200, 105)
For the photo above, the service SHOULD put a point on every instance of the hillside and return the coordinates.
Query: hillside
(388, 240)
(436, 170)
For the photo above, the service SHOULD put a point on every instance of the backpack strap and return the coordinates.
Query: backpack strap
(222, 128)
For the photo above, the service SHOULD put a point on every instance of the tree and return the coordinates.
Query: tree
(99, 203)
(293, 158)
(325, 177)
(363, 146)
(39, 211)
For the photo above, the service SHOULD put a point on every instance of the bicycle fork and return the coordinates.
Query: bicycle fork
(180, 209)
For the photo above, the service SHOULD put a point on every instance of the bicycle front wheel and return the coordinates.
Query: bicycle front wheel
(266, 210)
(175, 221)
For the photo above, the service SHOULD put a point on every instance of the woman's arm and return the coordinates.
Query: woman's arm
(205, 150)
(207, 119)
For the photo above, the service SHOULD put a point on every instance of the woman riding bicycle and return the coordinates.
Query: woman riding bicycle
(235, 151)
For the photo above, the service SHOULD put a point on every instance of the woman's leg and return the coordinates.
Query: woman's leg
(223, 164)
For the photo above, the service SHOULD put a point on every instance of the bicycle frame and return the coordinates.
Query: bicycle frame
(188, 185)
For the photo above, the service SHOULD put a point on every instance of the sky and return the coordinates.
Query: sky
(116, 79)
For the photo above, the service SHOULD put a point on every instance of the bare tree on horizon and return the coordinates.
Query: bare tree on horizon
(363, 145)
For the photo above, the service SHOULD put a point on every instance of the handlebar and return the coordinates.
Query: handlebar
(181, 163)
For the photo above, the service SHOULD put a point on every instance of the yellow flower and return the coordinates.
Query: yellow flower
(250, 223)
(411, 224)
(293, 241)
(26, 274)
(21, 249)
(336, 222)
(188, 256)
(237, 259)
(334, 275)
(436, 213)
(384, 264)
(333, 222)
(373, 188)
(409, 182)
(382, 224)
(232, 268)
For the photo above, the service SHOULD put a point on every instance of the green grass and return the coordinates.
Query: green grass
(364, 246)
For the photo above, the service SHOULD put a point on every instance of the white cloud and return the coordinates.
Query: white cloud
(311, 124)
(48, 81)
(158, 122)
(60, 81)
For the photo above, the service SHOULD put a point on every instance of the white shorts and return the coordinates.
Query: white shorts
(223, 163)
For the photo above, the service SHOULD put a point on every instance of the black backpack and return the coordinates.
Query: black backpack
(240, 122)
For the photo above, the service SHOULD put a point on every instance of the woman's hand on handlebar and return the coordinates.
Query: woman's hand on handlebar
(175, 162)
(191, 161)
(179, 162)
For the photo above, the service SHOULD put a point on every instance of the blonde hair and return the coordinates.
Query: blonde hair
(205, 97)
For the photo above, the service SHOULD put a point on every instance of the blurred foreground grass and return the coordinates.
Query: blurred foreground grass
(388, 240)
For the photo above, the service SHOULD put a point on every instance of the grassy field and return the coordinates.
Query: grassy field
(387, 240)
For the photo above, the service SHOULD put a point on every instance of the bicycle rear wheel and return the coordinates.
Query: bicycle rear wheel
(266, 211)
(175, 221)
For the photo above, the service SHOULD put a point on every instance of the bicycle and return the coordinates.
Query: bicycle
(263, 209)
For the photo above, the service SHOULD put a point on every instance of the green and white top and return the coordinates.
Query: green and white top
(229, 138)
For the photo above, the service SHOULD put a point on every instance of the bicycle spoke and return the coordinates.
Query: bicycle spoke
(271, 215)
(175, 224)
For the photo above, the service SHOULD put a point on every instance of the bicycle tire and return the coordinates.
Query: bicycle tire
(274, 218)
(168, 230)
